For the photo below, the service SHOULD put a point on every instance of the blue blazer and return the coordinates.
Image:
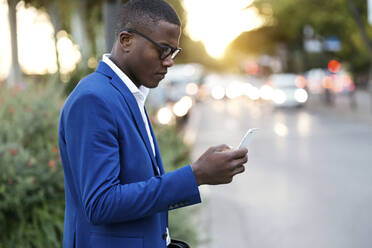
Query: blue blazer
(114, 195)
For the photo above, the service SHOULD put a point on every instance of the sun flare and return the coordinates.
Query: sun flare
(216, 23)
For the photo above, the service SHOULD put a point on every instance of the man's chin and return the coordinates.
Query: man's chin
(152, 84)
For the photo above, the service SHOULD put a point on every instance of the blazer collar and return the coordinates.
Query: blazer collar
(104, 69)
(132, 104)
(141, 92)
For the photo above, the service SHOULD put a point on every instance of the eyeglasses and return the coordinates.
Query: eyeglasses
(165, 50)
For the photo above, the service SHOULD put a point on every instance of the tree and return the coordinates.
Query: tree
(286, 19)
(79, 29)
(364, 35)
(360, 25)
(110, 12)
(79, 18)
(15, 76)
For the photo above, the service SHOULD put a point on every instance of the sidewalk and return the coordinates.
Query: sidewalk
(343, 108)
(200, 136)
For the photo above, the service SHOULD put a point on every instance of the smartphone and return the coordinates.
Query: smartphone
(248, 137)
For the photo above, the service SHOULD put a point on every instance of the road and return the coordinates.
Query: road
(307, 183)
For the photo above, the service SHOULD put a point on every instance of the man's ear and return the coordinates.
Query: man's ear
(126, 41)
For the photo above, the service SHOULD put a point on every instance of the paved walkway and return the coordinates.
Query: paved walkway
(200, 141)
(362, 111)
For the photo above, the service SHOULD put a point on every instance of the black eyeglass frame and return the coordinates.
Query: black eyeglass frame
(164, 53)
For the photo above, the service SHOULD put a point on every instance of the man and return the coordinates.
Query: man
(117, 193)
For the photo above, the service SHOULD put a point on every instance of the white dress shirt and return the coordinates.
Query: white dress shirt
(140, 94)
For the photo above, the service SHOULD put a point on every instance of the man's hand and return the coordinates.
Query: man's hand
(219, 164)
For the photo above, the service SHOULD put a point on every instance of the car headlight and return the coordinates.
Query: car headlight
(218, 92)
(301, 95)
(254, 93)
(266, 92)
(182, 107)
(279, 97)
(192, 89)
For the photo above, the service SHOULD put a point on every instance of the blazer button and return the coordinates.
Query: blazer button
(164, 236)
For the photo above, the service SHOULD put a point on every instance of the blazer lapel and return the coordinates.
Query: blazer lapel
(157, 150)
(133, 106)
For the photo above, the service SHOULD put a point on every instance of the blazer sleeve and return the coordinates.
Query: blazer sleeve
(91, 138)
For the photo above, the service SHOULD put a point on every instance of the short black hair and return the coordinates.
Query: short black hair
(144, 14)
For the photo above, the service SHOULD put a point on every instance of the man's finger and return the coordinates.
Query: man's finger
(238, 170)
(222, 148)
(239, 162)
(238, 153)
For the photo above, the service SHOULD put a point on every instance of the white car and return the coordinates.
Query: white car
(288, 90)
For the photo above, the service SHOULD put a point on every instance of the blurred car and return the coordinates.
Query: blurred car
(176, 93)
(182, 80)
(315, 79)
(339, 83)
(321, 80)
(214, 86)
(230, 86)
(286, 90)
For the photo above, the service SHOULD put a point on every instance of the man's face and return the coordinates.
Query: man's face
(143, 64)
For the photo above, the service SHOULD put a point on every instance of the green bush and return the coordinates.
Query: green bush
(31, 176)
(31, 179)
(176, 154)
(74, 78)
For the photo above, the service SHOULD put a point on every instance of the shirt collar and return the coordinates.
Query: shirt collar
(142, 92)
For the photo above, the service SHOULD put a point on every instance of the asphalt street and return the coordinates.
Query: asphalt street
(307, 182)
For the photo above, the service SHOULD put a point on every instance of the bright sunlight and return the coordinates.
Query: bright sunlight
(36, 47)
(216, 23)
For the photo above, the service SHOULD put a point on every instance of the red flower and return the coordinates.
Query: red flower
(12, 110)
(10, 181)
(14, 151)
(29, 163)
(52, 164)
(54, 149)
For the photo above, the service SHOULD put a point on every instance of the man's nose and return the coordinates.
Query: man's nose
(168, 61)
